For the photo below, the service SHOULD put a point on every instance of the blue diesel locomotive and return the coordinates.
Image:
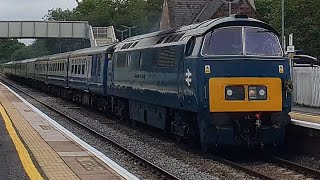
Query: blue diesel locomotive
(219, 82)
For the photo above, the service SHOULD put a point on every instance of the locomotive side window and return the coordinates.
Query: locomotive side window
(224, 41)
(261, 42)
(135, 57)
(122, 60)
(140, 59)
(190, 46)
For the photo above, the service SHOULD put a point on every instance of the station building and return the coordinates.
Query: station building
(177, 13)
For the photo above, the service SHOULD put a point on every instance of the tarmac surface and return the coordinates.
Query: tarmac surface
(10, 165)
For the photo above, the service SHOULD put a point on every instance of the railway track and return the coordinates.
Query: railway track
(163, 174)
(242, 168)
(266, 166)
(297, 167)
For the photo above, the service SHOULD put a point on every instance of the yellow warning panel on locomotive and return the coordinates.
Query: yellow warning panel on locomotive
(245, 94)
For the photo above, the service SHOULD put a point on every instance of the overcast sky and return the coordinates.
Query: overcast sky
(24, 10)
(31, 9)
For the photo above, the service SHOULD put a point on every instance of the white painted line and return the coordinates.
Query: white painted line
(120, 170)
(305, 124)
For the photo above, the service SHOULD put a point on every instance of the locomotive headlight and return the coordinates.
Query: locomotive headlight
(233, 93)
(262, 92)
(229, 92)
(257, 92)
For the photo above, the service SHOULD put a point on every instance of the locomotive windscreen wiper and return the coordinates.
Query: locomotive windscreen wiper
(263, 31)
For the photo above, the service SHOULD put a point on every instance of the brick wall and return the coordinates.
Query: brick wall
(242, 7)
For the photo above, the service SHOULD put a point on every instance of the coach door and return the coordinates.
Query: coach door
(180, 64)
(88, 70)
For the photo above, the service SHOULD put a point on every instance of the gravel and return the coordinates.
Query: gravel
(307, 161)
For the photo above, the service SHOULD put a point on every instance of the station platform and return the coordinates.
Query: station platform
(306, 117)
(34, 146)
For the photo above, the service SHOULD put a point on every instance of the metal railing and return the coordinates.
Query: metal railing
(106, 34)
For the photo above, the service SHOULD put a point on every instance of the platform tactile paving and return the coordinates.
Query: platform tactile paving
(58, 156)
(49, 161)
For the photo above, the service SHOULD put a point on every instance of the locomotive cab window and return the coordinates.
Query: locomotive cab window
(261, 42)
(224, 41)
(241, 41)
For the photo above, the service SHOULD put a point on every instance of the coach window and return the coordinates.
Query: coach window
(75, 69)
(83, 68)
(224, 41)
(100, 63)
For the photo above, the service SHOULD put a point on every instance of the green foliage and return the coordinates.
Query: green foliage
(145, 14)
(42, 47)
(7, 48)
(302, 18)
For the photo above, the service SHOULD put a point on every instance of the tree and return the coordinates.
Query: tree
(145, 14)
(8, 47)
(302, 18)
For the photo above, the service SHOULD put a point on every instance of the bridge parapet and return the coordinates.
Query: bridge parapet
(44, 29)
(98, 36)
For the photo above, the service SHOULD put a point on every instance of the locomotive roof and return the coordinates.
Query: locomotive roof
(197, 29)
(93, 50)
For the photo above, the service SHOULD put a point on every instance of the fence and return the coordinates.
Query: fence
(306, 84)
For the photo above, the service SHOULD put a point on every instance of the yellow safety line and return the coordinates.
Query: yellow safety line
(24, 156)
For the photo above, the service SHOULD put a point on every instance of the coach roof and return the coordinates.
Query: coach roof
(93, 50)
